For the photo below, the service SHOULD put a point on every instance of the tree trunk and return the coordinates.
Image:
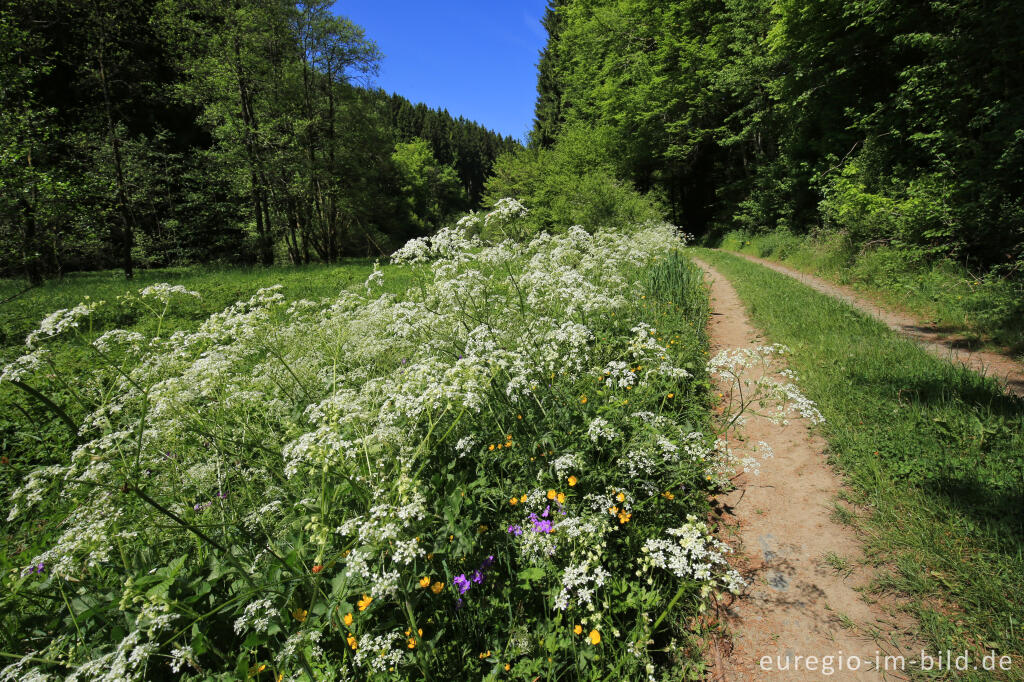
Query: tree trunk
(124, 237)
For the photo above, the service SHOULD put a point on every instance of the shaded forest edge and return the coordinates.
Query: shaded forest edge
(895, 124)
(151, 133)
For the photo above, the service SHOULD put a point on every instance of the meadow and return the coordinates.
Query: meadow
(486, 460)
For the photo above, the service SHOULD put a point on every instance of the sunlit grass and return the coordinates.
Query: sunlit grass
(933, 453)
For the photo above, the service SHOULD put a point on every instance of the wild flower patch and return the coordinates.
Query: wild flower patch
(487, 476)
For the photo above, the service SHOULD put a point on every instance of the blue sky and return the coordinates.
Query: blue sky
(474, 58)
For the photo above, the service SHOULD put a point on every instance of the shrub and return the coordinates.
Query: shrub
(573, 183)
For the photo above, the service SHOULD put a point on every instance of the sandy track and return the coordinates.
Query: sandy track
(1005, 369)
(779, 523)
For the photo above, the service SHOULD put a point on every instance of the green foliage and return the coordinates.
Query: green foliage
(167, 132)
(931, 448)
(465, 145)
(573, 183)
(548, 118)
(889, 120)
(433, 191)
(259, 475)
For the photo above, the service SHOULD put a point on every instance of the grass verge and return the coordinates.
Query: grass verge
(988, 309)
(933, 452)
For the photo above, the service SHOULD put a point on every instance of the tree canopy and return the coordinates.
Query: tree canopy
(893, 121)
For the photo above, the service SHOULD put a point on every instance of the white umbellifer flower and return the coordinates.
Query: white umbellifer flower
(379, 653)
(255, 617)
(23, 366)
(693, 553)
(506, 209)
(407, 551)
(58, 322)
(163, 292)
(181, 657)
(269, 404)
(578, 579)
(600, 428)
(375, 278)
(120, 339)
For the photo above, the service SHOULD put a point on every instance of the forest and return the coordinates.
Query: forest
(894, 123)
(150, 133)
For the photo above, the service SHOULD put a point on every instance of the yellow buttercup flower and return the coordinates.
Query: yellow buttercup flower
(621, 497)
(490, 447)
(437, 587)
(595, 637)
(347, 620)
(561, 498)
(668, 496)
(583, 399)
(523, 499)
(578, 629)
(551, 494)
(364, 602)
(572, 481)
(513, 501)
(300, 615)
(352, 641)
(425, 581)
(508, 666)
(486, 654)
(624, 517)
(412, 643)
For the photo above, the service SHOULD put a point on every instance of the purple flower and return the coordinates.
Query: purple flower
(222, 496)
(543, 527)
(488, 562)
(477, 577)
(462, 583)
(515, 530)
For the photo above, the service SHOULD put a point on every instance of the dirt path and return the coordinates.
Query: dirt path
(798, 604)
(1009, 372)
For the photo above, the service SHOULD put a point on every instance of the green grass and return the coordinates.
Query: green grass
(987, 309)
(220, 287)
(933, 453)
(28, 433)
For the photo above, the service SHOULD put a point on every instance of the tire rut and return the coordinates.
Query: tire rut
(780, 524)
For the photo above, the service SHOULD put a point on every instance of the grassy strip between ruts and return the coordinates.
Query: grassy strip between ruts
(934, 453)
(492, 475)
(985, 307)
